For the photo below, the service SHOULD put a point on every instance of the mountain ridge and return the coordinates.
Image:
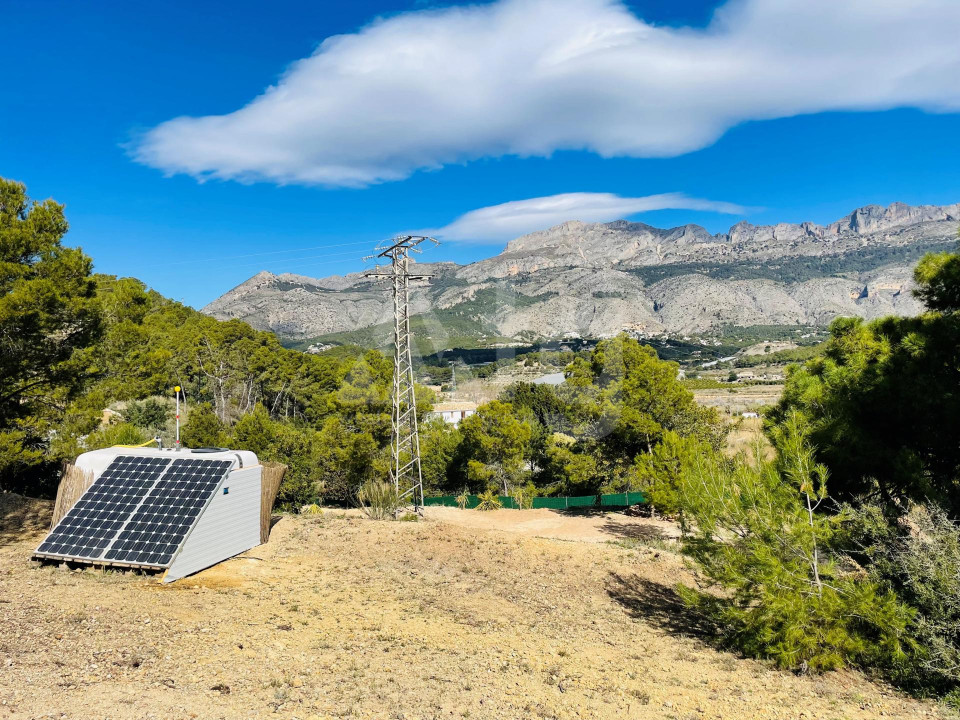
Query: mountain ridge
(596, 279)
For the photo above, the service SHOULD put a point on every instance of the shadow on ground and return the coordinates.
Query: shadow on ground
(589, 511)
(659, 605)
(634, 531)
(21, 516)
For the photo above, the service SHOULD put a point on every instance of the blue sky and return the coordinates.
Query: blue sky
(96, 83)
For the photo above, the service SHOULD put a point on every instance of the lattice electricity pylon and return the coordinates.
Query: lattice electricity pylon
(405, 471)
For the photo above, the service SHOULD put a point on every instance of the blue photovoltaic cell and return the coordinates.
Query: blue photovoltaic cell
(90, 526)
(159, 526)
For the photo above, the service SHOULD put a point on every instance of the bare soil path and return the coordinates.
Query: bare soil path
(339, 616)
(588, 525)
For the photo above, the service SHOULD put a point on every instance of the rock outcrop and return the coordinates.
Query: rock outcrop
(596, 279)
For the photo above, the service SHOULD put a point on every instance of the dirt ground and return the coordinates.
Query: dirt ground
(515, 614)
(588, 525)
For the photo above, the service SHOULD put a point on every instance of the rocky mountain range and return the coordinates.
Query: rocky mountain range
(596, 279)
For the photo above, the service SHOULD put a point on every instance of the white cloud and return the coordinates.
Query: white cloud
(519, 217)
(529, 77)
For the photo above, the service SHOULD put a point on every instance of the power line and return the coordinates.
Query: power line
(271, 252)
(351, 253)
(345, 255)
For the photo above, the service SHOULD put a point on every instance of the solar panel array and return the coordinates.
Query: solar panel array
(163, 520)
(138, 511)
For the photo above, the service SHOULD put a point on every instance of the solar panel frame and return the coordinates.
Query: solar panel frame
(185, 485)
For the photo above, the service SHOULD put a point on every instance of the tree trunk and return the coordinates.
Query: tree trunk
(816, 557)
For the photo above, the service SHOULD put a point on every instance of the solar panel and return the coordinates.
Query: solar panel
(138, 511)
(93, 522)
(165, 517)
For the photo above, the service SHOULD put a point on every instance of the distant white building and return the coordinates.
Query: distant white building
(452, 412)
(550, 379)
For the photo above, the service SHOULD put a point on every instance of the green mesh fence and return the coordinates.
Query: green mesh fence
(622, 499)
(553, 503)
(448, 500)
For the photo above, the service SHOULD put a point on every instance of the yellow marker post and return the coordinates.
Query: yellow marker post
(176, 391)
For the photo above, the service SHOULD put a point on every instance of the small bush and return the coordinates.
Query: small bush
(463, 499)
(489, 501)
(203, 428)
(523, 498)
(658, 473)
(311, 509)
(151, 414)
(116, 434)
(378, 500)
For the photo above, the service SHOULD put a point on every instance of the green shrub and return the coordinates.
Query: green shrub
(378, 500)
(523, 498)
(658, 474)
(571, 472)
(883, 398)
(918, 557)
(151, 414)
(203, 428)
(438, 445)
(496, 441)
(489, 501)
(753, 530)
(115, 434)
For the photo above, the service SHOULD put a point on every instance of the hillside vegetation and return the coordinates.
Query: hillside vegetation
(75, 343)
(801, 269)
(325, 415)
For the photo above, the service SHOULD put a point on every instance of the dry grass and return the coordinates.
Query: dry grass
(269, 487)
(745, 433)
(739, 398)
(73, 483)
